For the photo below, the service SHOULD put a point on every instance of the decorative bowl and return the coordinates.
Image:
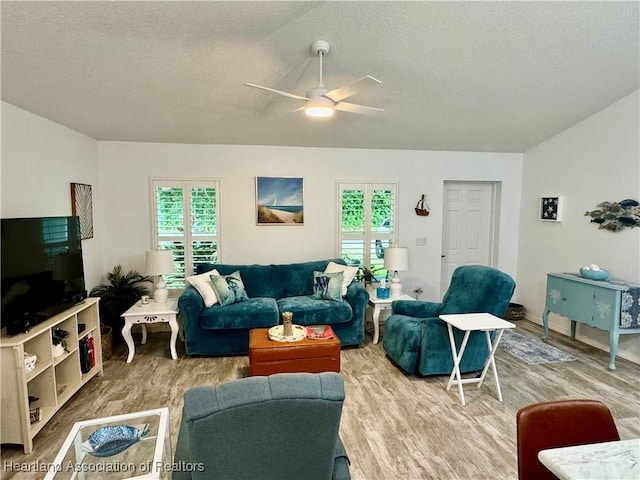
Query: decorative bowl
(594, 274)
(109, 441)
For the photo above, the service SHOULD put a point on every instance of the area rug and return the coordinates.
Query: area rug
(531, 350)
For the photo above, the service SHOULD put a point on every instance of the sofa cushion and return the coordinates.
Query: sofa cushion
(327, 286)
(259, 312)
(309, 311)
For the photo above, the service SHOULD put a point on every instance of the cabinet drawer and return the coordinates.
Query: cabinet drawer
(151, 318)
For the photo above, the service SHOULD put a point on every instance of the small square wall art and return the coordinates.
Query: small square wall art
(550, 209)
(279, 201)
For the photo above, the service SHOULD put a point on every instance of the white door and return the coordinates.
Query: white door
(468, 230)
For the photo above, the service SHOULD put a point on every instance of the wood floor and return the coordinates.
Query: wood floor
(394, 426)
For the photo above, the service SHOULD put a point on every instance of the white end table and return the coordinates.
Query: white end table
(380, 304)
(151, 312)
(473, 322)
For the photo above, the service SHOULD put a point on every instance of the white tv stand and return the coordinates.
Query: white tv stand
(54, 380)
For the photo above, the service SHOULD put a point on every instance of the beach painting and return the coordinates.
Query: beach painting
(279, 200)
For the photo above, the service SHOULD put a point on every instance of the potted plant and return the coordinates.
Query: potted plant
(119, 293)
(59, 340)
(367, 276)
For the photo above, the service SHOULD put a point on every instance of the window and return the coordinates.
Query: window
(185, 220)
(367, 213)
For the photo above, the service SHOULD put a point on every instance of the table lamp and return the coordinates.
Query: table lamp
(396, 258)
(158, 263)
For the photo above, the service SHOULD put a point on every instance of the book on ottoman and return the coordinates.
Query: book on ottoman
(319, 332)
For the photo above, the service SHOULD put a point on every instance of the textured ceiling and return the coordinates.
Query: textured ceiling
(469, 76)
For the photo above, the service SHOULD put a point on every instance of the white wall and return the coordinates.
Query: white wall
(40, 159)
(594, 161)
(125, 170)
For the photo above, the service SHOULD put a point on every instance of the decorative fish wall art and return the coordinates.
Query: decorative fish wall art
(614, 216)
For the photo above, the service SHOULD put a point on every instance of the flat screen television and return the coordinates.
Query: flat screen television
(42, 269)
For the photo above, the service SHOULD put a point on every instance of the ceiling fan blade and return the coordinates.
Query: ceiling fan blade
(279, 92)
(355, 108)
(346, 91)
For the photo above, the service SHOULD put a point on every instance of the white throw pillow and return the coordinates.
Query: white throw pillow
(202, 283)
(349, 273)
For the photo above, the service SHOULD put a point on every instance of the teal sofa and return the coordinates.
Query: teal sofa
(280, 427)
(418, 341)
(272, 289)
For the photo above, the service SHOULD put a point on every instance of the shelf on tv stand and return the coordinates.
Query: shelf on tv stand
(50, 373)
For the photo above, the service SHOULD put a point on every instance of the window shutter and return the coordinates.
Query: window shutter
(204, 225)
(185, 222)
(367, 222)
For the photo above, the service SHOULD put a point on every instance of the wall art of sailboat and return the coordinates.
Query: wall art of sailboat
(279, 201)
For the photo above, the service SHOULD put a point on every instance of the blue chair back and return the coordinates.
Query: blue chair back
(284, 426)
(478, 289)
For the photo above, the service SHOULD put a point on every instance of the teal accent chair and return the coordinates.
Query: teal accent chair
(418, 341)
(280, 427)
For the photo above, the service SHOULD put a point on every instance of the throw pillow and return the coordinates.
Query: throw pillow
(348, 272)
(237, 286)
(229, 288)
(327, 286)
(202, 283)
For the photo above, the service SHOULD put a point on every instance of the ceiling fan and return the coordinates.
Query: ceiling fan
(322, 102)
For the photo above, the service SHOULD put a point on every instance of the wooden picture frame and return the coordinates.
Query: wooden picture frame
(279, 201)
(550, 209)
(82, 206)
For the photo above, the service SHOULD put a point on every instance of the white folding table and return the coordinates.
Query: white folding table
(473, 322)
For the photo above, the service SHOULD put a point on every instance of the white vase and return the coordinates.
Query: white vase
(58, 350)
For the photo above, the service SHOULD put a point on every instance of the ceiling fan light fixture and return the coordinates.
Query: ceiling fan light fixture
(318, 106)
(318, 111)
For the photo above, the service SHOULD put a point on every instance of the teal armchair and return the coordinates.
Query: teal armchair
(280, 427)
(417, 340)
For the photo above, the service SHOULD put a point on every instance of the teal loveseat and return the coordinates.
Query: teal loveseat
(272, 289)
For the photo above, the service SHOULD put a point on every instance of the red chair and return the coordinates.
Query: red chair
(560, 423)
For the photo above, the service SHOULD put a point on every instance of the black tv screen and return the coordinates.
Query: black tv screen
(42, 269)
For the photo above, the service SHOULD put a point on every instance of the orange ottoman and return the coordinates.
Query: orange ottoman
(267, 357)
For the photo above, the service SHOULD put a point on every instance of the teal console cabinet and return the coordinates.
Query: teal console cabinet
(596, 303)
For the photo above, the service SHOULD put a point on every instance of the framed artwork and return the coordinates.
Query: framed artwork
(82, 206)
(550, 209)
(279, 201)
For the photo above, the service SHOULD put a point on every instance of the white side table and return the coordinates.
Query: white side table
(380, 304)
(151, 312)
(473, 322)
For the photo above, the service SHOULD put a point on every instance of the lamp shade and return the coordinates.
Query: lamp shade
(159, 262)
(396, 258)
